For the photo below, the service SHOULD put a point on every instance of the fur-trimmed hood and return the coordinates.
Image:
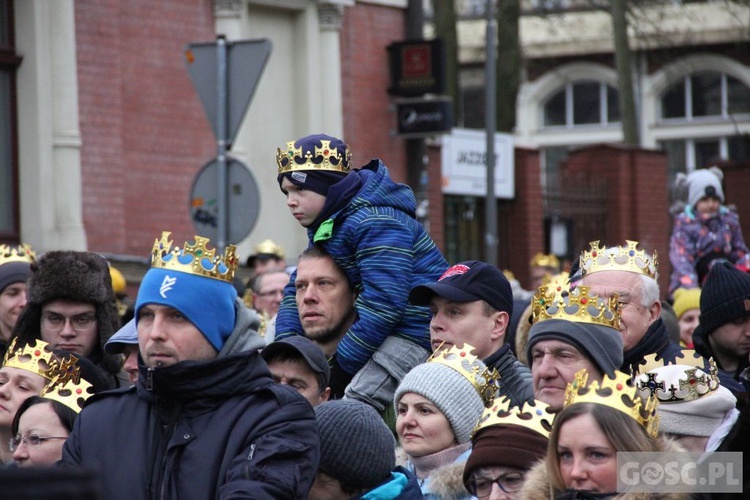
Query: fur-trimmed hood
(74, 276)
(444, 483)
(536, 484)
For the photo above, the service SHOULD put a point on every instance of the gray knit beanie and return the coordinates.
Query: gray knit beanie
(356, 446)
(602, 344)
(450, 391)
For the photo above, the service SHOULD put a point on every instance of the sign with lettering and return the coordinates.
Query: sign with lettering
(417, 67)
(464, 161)
(424, 117)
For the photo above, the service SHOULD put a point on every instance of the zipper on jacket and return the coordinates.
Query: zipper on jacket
(150, 379)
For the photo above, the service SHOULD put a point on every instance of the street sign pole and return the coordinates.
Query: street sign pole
(221, 140)
(490, 208)
(225, 74)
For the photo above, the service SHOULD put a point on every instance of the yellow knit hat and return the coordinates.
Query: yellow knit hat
(686, 299)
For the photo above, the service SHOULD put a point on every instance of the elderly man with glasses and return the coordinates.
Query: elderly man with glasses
(72, 306)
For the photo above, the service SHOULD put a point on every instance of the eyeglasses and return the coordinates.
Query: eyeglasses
(30, 439)
(56, 322)
(270, 293)
(481, 486)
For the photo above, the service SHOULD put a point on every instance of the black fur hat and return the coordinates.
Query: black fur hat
(74, 276)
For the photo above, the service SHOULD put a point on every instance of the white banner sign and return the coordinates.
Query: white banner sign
(465, 167)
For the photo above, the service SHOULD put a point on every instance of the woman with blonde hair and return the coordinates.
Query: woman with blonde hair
(596, 423)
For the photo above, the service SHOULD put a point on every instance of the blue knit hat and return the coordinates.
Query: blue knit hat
(207, 303)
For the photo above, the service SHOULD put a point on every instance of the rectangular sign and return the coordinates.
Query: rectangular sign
(417, 68)
(464, 163)
(420, 118)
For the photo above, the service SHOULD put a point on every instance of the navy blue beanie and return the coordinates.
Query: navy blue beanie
(308, 170)
(206, 302)
(316, 181)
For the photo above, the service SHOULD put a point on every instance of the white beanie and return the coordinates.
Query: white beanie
(450, 391)
(702, 183)
(699, 417)
(699, 408)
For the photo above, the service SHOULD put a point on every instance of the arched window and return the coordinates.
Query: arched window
(714, 100)
(582, 103)
(705, 94)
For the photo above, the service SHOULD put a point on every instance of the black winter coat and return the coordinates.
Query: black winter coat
(199, 430)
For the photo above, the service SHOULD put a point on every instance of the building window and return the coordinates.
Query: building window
(706, 94)
(9, 61)
(582, 103)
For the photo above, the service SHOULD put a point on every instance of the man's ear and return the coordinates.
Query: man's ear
(654, 312)
(325, 395)
(500, 325)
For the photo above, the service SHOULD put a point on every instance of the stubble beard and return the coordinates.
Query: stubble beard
(332, 334)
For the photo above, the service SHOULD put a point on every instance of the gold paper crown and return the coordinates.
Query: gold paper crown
(575, 305)
(324, 157)
(692, 384)
(615, 393)
(558, 283)
(625, 258)
(484, 380)
(545, 260)
(194, 259)
(270, 248)
(71, 393)
(20, 253)
(532, 415)
(38, 358)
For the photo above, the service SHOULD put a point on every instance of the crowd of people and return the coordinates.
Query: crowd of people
(373, 369)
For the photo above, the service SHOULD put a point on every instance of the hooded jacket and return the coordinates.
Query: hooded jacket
(200, 430)
(695, 236)
(368, 226)
(536, 484)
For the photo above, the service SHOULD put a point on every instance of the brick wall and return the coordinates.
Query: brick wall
(144, 131)
(525, 230)
(636, 203)
(368, 122)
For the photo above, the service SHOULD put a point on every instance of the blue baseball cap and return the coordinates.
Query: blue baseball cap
(127, 335)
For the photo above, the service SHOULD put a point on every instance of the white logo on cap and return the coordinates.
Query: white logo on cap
(166, 285)
(299, 176)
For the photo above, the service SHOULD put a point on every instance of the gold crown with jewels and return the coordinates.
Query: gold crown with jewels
(619, 258)
(532, 415)
(20, 253)
(545, 260)
(323, 157)
(688, 380)
(615, 392)
(38, 358)
(460, 359)
(194, 258)
(72, 394)
(576, 305)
